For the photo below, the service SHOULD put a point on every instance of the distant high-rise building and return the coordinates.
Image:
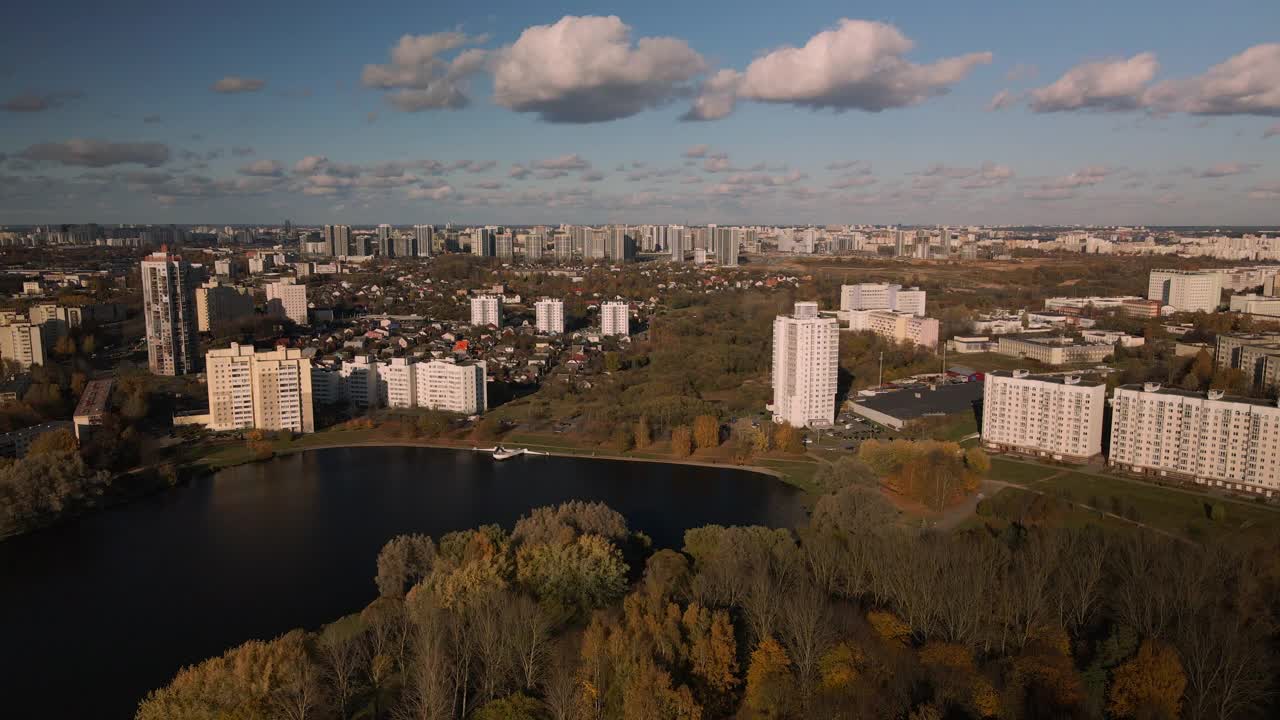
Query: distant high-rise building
(725, 241)
(484, 242)
(504, 246)
(620, 246)
(533, 246)
(806, 351)
(268, 390)
(287, 299)
(486, 310)
(549, 316)
(597, 245)
(425, 235)
(168, 304)
(338, 239)
(219, 307)
(1186, 290)
(677, 243)
(615, 317)
(563, 248)
(385, 248)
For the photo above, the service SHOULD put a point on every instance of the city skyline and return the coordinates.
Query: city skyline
(1157, 115)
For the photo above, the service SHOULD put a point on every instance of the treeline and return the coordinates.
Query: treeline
(851, 616)
(53, 480)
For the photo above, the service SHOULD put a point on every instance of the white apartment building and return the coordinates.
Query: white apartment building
(25, 343)
(486, 310)
(425, 239)
(882, 296)
(806, 351)
(1053, 416)
(897, 326)
(1205, 438)
(359, 381)
(168, 304)
(453, 387)
(615, 317)
(549, 316)
(269, 390)
(287, 299)
(1186, 290)
(396, 383)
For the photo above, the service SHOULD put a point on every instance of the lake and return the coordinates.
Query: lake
(96, 612)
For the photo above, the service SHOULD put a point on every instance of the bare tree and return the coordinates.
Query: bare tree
(528, 637)
(338, 646)
(1081, 576)
(806, 630)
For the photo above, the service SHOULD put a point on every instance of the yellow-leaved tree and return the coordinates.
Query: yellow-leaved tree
(1151, 683)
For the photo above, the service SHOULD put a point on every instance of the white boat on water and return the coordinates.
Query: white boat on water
(502, 453)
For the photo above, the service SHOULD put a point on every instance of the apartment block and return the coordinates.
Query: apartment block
(25, 343)
(287, 299)
(1231, 347)
(269, 390)
(1059, 417)
(219, 307)
(486, 310)
(549, 316)
(806, 351)
(882, 296)
(615, 317)
(453, 387)
(396, 383)
(168, 304)
(1186, 290)
(1205, 438)
(897, 326)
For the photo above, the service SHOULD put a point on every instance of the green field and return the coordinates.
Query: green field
(1184, 513)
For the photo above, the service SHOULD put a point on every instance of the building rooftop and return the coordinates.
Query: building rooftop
(1068, 379)
(93, 401)
(1158, 389)
(1057, 341)
(916, 401)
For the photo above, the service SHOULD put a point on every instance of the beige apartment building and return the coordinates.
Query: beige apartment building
(1206, 438)
(268, 390)
(1059, 417)
(219, 307)
(806, 360)
(1053, 350)
(25, 343)
(287, 299)
(898, 326)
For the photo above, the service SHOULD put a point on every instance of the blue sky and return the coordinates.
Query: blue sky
(928, 112)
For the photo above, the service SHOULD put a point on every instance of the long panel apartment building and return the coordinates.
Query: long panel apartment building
(549, 316)
(1059, 417)
(882, 296)
(1205, 438)
(897, 326)
(459, 387)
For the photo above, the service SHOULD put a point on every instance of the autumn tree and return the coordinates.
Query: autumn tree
(787, 439)
(643, 435)
(681, 441)
(706, 431)
(768, 692)
(1151, 683)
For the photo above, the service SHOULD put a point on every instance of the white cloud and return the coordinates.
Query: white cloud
(858, 65)
(697, 151)
(1246, 84)
(1222, 170)
(1002, 100)
(437, 193)
(422, 79)
(586, 69)
(1113, 85)
(518, 172)
(98, 153)
(237, 84)
(263, 168)
(717, 98)
(564, 162)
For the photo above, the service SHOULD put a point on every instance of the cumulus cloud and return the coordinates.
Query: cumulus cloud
(1002, 100)
(431, 193)
(564, 162)
(1245, 84)
(858, 65)
(717, 98)
(321, 165)
(989, 175)
(593, 176)
(519, 172)
(421, 78)
(31, 102)
(587, 69)
(238, 84)
(1114, 85)
(1222, 170)
(488, 185)
(852, 181)
(697, 151)
(98, 153)
(1265, 191)
(263, 168)
(1091, 175)
(852, 166)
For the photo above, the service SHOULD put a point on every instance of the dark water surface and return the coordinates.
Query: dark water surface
(96, 612)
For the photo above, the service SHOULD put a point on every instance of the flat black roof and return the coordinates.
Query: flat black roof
(942, 400)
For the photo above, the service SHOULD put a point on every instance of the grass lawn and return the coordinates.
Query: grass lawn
(1182, 512)
(986, 362)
